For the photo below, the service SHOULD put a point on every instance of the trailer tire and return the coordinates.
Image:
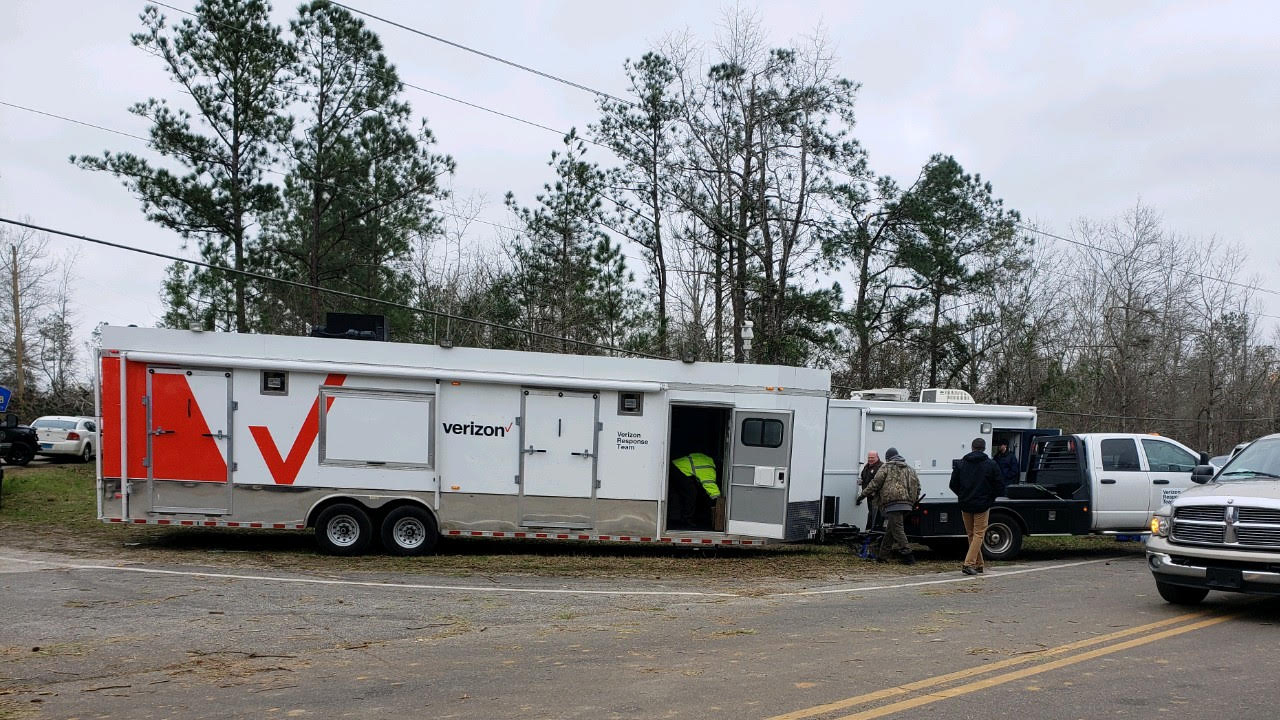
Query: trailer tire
(344, 529)
(1180, 594)
(409, 530)
(1003, 538)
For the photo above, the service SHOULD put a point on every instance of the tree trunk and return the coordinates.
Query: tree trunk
(19, 348)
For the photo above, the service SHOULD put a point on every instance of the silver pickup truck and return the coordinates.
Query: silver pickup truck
(1223, 534)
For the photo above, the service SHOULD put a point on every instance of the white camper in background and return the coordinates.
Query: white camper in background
(365, 440)
(928, 434)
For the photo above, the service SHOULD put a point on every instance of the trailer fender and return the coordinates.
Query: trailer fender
(377, 505)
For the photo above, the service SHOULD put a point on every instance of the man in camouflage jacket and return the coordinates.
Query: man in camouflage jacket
(897, 488)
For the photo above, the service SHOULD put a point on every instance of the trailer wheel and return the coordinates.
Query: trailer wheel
(1180, 594)
(409, 530)
(1003, 539)
(344, 529)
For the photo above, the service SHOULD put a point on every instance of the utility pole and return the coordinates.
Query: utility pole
(19, 352)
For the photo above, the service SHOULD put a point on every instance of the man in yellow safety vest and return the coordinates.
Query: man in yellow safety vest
(700, 470)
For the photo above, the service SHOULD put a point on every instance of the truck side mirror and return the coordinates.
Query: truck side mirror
(10, 420)
(1202, 474)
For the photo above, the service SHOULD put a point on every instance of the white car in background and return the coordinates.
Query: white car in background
(67, 436)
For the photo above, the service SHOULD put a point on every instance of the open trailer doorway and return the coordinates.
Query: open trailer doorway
(700, 429)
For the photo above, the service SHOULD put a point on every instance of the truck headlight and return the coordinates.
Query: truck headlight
(1160, 521)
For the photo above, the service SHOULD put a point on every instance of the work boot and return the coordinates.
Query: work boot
(907, 558)
(968, 570)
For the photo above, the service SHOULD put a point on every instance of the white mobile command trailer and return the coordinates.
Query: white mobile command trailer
(364, 440)
(929, 434)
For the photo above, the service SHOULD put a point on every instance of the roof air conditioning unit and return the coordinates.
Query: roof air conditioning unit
(946, 395)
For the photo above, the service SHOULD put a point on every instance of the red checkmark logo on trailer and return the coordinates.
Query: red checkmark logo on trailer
(284, 470)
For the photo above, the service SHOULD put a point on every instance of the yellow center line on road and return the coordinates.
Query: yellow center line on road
(979, 670)
(977, 685)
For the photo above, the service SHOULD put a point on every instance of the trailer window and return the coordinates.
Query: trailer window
(1120, 454)
(762, 432)
(376, 428)
(275, 382)
(630, 403)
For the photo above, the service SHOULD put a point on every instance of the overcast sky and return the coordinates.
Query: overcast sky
(1072, 110)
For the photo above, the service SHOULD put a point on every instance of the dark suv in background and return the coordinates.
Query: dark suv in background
(18, 443)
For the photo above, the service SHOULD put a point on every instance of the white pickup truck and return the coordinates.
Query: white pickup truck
(1088, 483)
(1223, 534)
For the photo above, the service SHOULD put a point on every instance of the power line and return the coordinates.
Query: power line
(336, 293)
(1155, 263)
(64, 118)
(483, 54)
(731, 235)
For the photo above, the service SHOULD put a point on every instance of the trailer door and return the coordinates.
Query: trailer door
(189, 440)
(558, 431)
(760, 473)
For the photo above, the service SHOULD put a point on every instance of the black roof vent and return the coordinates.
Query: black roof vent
(352, 327)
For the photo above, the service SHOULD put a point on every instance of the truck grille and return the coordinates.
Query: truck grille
(1258, 537)
(1198, 533)
(1227, 526)
(1259, 515)
(1200, 512)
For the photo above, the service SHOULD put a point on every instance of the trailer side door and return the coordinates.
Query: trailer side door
(189, 440)
(760, 474)
(559, 441)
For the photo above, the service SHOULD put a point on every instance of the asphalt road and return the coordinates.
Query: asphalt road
(1064, 640)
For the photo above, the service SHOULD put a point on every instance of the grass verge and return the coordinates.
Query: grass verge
(52, 508)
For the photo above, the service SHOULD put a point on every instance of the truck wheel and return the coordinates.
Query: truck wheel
(409, 530)
(1180, 594)
(20, 455)
(344, 529)
(1003, 539)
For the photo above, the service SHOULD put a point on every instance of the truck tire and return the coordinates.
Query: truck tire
(409, 530)
(20, 454)
(1180, 594)
(344, 529)
(1003, 539)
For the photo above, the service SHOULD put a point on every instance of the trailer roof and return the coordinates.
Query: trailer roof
(911, 407)
(201, 347)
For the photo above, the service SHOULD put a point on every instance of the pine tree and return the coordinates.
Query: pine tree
(569, 279)
(363, 179)
(230, 61)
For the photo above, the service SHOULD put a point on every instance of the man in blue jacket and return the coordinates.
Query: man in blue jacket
(976, 481)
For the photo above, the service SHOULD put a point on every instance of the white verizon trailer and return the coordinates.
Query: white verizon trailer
(929, 435)
(365, 440)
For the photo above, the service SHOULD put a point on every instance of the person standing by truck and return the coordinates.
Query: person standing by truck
(1008, 463)
(868, 474)
(897, 486)
(976, 481)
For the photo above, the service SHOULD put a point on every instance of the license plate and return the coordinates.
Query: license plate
(1228, 578)
(46, 446)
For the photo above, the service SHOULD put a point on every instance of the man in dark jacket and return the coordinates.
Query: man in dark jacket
(976, 481)
(1008, 463)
